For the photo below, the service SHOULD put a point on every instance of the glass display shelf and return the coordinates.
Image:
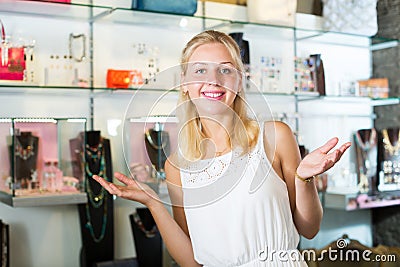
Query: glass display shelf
(21, 88)
(356, 201)
(48, 9)
(43, 200)
(38, 161)
(378, 43)
(83, 10)
(362, 99)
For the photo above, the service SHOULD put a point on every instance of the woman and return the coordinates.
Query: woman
(241, 194)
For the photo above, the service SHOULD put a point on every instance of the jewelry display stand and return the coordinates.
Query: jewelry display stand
(4, 244)
(158, 147)
(366, 148)
(147, 238)
(26, 147)
(389, 159)
(91, 154)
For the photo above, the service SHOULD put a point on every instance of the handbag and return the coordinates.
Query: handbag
(350, 16)
(277, 12)
(12, 59)
(182, 7)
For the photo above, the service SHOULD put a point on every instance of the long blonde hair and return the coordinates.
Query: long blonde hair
(245, 131)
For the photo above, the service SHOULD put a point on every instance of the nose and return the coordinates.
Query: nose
(213, 78)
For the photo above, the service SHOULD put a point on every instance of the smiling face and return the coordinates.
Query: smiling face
(211, 79)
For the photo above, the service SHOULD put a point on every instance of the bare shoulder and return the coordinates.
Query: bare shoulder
(172, 171)
(277, 129)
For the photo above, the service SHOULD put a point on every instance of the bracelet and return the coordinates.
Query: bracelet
(306, 180)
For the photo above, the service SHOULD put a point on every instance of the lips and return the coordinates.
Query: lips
(214, 95)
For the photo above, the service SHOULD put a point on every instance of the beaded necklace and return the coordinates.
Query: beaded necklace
(94, 156)
(89, 225)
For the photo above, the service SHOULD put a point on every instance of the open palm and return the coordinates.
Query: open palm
(132, 189)
(321, 159)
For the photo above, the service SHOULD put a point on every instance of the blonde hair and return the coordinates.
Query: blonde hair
(191, 134)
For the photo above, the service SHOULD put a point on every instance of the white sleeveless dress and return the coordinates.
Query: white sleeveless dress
(238, 212)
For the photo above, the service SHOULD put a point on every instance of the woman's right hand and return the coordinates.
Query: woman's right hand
(132, 189)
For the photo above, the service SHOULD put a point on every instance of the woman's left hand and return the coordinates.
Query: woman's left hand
(320, 160)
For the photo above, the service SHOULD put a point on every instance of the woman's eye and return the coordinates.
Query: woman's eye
(225, 71)
(200, 71)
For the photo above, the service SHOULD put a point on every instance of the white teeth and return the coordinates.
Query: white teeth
(213, 95)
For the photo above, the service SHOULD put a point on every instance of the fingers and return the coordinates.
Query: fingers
(110, 187)
(329, 145)
(124, 179)
(344, 147)
(336, 155)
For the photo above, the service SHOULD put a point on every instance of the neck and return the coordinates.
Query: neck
(219, 134)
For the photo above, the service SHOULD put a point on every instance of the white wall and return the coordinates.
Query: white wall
(49, 236)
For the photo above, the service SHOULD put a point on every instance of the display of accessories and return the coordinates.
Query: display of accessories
(146, 65)
(157, 147)
(66, 68)
(374, 88)
(279, 12)
(122, 79)
(37, 160)
(26, 148)
(366, 147)
(92, 155)
(52, 177)
(183, 7)
(309, 74)
(356, 17)
(389, 176)
(77, 47)
(303, 81)
(270, 73)
(12, 58)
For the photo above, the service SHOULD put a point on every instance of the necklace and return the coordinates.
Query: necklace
(24, 152)
(89, 225)
(148, 233)
(95, 157)
(94, 160)
(393, 150)
(154, 145)
(94, 152)
(368, 144)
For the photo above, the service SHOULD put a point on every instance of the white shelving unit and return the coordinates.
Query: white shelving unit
(112, 32)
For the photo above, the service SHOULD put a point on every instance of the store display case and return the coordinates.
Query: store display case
(37, 161)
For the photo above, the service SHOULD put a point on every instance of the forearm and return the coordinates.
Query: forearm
(308, 213)
(176, 241)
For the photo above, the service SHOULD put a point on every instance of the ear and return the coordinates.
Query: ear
(183, 85)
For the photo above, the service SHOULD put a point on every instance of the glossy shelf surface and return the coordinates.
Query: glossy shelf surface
(107, 11)
(43, 199)
(354, 201)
